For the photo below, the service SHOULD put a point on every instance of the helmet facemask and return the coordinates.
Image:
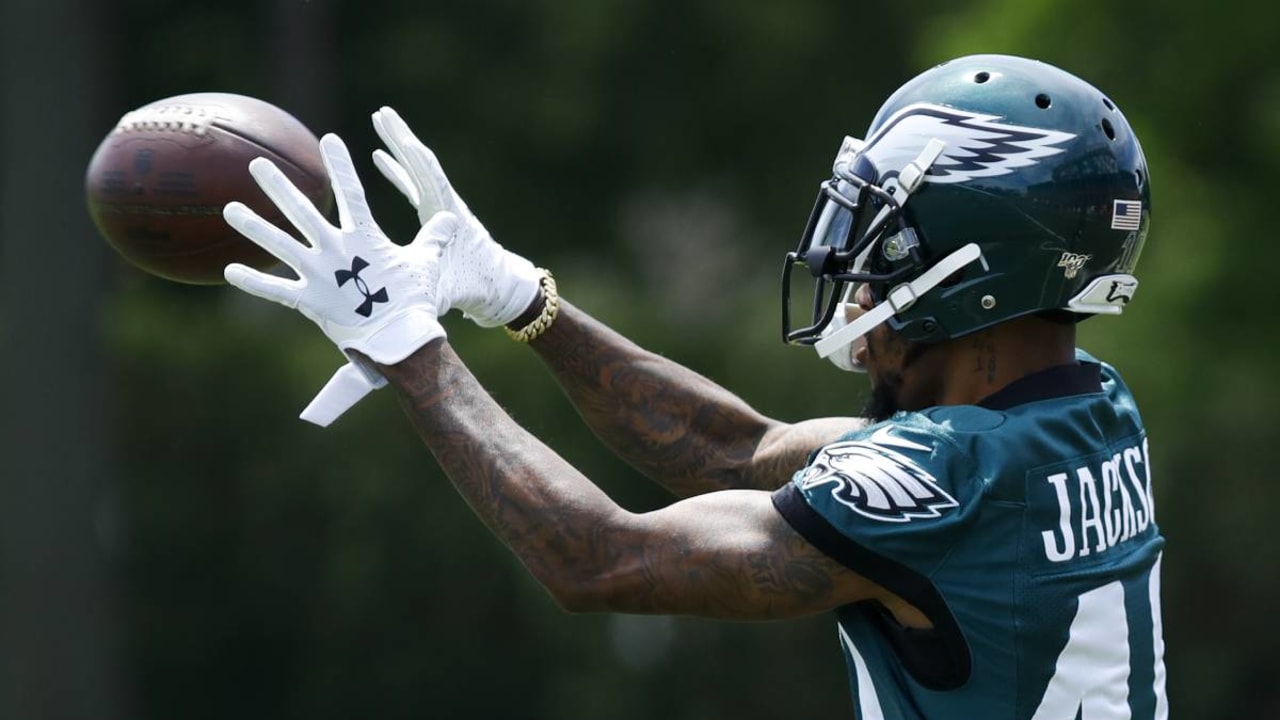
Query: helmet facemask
(857, 234)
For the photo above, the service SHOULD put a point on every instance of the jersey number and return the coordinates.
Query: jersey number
(1091, 680)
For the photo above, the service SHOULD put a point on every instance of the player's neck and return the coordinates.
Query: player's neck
(985, 362)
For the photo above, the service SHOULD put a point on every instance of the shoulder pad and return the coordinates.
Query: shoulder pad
(886, 475)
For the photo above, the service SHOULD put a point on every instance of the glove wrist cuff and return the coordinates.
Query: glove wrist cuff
(401, 337)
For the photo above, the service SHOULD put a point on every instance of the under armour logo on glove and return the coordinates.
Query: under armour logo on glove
(330, 258)
(342, 276)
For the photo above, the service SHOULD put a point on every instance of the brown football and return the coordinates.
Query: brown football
(157, 184)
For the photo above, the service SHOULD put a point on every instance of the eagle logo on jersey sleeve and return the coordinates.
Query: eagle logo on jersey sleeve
(977, 145)
(874, 479)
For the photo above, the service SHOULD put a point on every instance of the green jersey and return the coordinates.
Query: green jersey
(1024, 528)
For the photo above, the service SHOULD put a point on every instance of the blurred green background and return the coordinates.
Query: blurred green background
(174, 543)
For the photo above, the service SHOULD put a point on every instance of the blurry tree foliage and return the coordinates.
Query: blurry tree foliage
(661, 157)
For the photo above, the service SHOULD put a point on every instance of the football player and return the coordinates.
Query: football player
(985, 536)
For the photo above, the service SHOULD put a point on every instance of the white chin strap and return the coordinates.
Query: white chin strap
(899, 299)
(845, 358)
(836, 339)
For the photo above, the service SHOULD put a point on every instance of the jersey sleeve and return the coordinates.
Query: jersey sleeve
(889, 503)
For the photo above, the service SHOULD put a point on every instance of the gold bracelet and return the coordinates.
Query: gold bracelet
(550, 309)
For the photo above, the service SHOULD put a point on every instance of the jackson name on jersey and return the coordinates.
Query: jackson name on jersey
(1100, 505)
(1024, 529)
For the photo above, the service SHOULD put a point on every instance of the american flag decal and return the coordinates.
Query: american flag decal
(1126, 215)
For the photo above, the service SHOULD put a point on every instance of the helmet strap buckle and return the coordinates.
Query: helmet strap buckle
(902, 296)
(910, 177)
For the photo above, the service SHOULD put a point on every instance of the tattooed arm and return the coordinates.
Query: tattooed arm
(724, 554)
(674, 425)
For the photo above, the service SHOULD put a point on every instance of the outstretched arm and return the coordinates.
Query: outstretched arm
(724, 554)
(676, 426)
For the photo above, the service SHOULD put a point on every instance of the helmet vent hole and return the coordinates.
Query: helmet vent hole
(1106, 128)
(1043, 101)
(982, 77)
(1110, 106)
(1138, 174)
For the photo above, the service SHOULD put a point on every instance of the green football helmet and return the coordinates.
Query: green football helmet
(988, 188)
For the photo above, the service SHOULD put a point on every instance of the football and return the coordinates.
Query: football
(157, 183)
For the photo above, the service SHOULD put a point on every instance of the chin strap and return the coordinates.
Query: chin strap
(843, 358)
(900, 298)
(909, 178)
(906, 182)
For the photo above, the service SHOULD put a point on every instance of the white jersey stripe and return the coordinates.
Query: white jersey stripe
(1157, 631)
(868, 702)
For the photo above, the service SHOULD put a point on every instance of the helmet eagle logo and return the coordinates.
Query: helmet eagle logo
(875, 480)
(977, 145)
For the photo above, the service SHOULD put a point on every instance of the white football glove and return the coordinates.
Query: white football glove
(489, 284)
(365, 292)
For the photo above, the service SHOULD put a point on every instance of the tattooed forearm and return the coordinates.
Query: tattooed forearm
(670, 423)
(674, 425)
(726, 554)
(540, 506)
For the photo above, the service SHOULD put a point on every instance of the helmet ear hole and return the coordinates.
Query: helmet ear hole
(1043, 101)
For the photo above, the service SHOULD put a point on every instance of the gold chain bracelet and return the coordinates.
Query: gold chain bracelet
(550, 309)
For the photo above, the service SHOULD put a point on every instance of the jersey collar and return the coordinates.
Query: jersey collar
(1081, 378)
